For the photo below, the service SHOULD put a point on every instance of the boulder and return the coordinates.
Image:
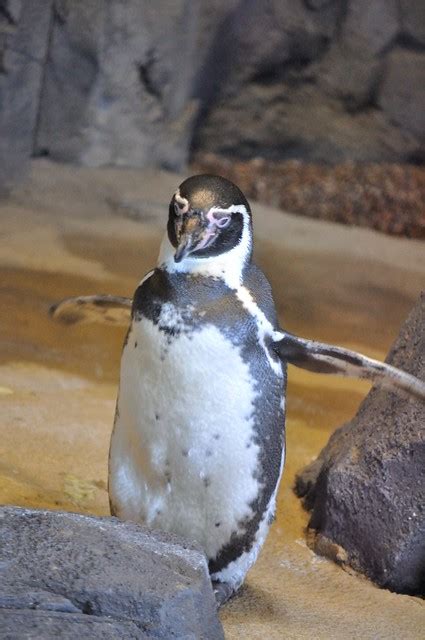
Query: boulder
(99, 577)
(366, 489)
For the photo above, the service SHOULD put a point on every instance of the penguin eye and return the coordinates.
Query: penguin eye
(223, 221)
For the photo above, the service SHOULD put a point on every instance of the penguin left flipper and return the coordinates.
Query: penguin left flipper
(105, 309)
(326, 358)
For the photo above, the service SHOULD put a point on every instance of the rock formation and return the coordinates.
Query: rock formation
(130, 82)
(366, 489)
(67, 575)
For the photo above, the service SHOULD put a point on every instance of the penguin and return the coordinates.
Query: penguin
(198, 443)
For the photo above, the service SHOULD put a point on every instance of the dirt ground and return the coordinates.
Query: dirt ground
(79, 231)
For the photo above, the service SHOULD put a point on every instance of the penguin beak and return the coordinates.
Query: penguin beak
(194, 233)
(183, 248)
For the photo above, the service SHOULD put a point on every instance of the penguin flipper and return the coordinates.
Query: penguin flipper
(105, 309)
(327, 358)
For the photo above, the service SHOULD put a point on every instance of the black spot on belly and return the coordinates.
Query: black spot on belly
(167, 476)
(156, 416)
(216, 436)
(257, 474)
(208, 453)
(217, 524)
(207, 482)
(135, 344)
(185, 452)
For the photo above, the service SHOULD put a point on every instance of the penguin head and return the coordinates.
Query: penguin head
(209, 216)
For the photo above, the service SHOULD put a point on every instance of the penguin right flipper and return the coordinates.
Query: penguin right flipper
(327, 358)
(106, 309)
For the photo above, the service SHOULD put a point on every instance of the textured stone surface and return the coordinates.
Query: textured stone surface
(117, 83)
(403, 90)
(371, 24)
(352, 67)
(136, 83)
(302, 80)
(24, 32)
(64, 562)
(367, 487)
(17, 624)
(413, 20)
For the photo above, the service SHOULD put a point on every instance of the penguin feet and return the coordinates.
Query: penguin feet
(223, 591)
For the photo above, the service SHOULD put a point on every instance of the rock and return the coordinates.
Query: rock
(351, 74)
(128, 83)
(256, 42)
(24, 33)
(16, 624)
(402, 94)
(352, 68)
(370, 25)
(125, 579)
(367, 487)
(306, 124)
(301, 80)
(413, 20)
(117, 83)
(317, 4)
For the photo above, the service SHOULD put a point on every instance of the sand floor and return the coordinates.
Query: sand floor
(78, 231)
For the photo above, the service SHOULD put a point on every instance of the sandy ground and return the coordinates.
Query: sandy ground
(79, 231)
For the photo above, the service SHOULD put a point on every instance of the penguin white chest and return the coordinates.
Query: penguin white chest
(183, 451)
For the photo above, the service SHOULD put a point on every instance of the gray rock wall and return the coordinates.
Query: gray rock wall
(325, 81)
(131, 82)
(117, 83)
(24, 35)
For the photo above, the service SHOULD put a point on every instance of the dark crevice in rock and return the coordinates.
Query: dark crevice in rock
(43, 79)
(6, 14)
(408, 42)
(146, 77)
(213, 74)
(26, 55)
(61, 11)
